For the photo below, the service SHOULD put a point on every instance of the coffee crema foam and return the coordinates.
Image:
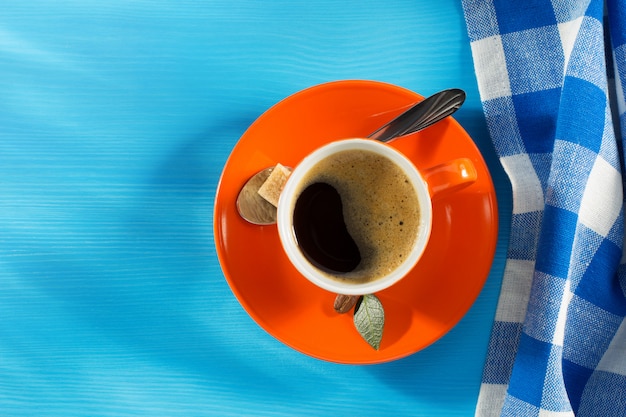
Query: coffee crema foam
(380, 209)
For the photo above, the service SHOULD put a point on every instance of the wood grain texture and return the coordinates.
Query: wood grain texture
(115, 121)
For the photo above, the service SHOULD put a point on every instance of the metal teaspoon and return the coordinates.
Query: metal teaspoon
(256, 210)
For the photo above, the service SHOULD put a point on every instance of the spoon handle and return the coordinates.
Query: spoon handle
(422, 115)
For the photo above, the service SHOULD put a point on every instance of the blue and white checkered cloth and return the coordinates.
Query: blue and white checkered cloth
(551, 75)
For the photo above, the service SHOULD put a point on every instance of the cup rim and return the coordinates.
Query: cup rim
(287, 235)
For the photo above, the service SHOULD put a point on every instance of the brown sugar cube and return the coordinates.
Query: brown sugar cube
(272, 187)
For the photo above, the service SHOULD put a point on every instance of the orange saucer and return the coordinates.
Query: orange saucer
(425, 304)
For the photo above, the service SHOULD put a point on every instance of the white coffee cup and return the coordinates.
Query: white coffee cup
(450, 175)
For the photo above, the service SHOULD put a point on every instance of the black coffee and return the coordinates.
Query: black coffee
(321, 231)
(356, 216)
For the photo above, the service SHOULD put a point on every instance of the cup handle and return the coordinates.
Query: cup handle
(450, 177)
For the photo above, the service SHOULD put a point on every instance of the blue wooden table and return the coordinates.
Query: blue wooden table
(116, 119)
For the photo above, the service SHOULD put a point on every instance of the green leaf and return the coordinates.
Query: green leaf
(369, 319)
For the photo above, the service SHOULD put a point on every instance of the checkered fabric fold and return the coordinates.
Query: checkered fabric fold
(551, 75)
